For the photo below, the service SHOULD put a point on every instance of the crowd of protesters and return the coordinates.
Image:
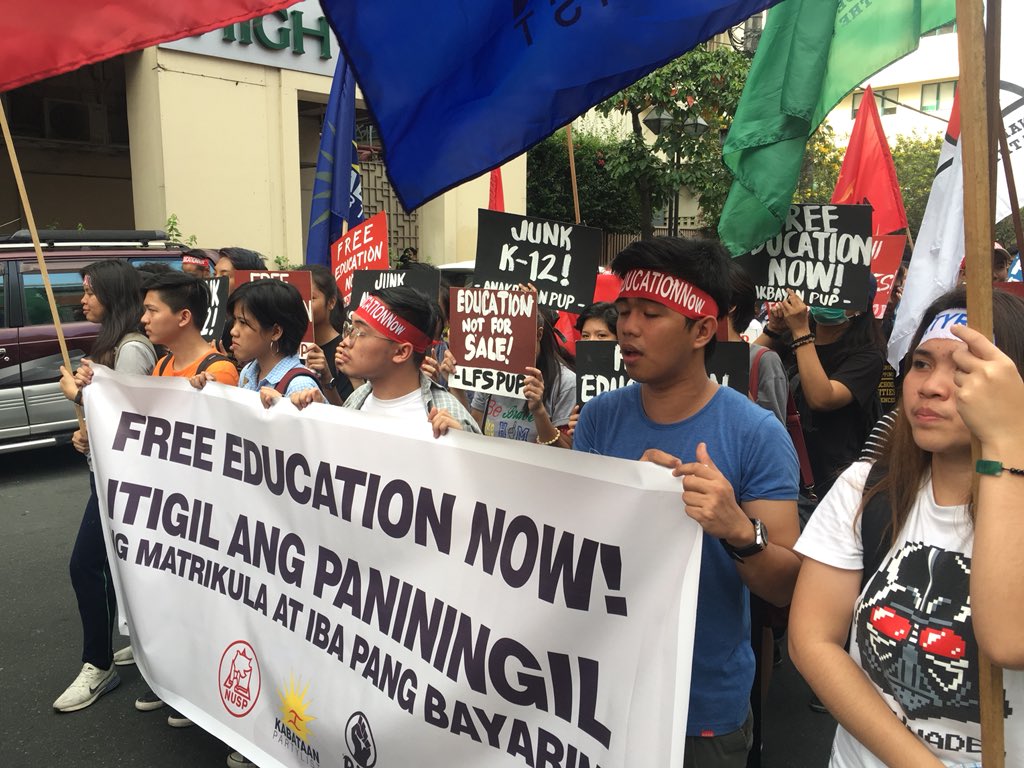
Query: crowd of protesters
(894, 578)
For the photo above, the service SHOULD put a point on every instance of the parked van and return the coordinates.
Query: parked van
(33, 411)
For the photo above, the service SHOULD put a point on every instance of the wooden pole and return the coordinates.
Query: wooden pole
(39, 250)
(979, 72)
(910, 238)
(572, 172)
(1011, 186)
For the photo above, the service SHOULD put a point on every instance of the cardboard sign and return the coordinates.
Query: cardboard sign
(887, 253)
(362, 247)
(823, 253)
(300, 279)
(494, 339)
(560, 259)
(217, 309)
(366, 280)
(599, 368)
(729, 365)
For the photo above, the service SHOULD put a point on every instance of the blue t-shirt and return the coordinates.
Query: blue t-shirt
(249, 377)
(755, 453)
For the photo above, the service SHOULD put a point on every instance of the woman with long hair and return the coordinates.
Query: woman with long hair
(890, 549)
(549, 394)
(834, 359)
(112, 297)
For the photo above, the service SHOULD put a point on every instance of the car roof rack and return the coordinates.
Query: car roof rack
(80, 238)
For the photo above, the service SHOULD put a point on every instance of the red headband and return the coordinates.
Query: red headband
(673, 292)
(378, 315)
(200, 260)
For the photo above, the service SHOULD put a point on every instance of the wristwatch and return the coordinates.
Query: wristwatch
(760, 543)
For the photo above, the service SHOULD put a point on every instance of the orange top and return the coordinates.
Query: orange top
(223, 371)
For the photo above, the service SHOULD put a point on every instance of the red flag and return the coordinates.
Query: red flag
(868, 174)
(496, 201)
(56, 36)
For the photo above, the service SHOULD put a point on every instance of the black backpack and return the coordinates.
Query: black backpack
(206, 362)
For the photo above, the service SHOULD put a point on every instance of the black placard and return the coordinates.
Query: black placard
(560, 259)
(729, 365)
(599, 368)
(366, 280)
(823, 253)
(216, 313)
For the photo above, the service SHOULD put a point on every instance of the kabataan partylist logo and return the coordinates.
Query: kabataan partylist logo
(292, 728)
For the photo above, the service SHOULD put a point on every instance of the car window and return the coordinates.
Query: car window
(3, 302)
(67, 291)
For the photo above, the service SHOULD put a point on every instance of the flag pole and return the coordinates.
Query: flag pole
(572, 172)
(1011, 186)
(979, 65)
(8, 139)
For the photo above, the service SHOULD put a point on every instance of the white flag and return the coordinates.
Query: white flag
(939, 249)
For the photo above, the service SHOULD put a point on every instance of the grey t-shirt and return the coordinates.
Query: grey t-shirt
(511, 418)
(772, 384)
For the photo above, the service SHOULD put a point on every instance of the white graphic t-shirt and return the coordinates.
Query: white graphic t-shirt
(912, 632)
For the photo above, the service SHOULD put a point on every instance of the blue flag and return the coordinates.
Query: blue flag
(460, 87)
(338, 186)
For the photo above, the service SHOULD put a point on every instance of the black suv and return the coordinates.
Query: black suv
(33, 411)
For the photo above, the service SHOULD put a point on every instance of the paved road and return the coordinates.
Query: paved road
(41, 498)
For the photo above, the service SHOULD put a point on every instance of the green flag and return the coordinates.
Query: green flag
(812, 53)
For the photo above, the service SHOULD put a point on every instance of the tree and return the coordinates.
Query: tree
(707, 81)
(916, 157)
(607, 203)
(820, 170)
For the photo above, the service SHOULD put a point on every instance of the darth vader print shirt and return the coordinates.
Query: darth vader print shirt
(912, 632)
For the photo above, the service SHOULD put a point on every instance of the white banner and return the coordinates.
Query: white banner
(333, 588)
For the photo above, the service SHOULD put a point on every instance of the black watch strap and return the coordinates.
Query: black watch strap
(760, 543)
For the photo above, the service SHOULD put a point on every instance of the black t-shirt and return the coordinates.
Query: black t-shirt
(341, 383)
(834, 438)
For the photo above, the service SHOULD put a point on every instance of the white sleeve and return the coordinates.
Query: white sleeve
(832, 536)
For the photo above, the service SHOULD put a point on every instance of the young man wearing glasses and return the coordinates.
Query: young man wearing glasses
(390, 334)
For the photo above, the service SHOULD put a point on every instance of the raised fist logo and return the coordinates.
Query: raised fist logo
(359, 740)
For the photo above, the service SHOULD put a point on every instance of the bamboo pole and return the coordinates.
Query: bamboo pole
(572, 172)
(8, 139)
(979, 64)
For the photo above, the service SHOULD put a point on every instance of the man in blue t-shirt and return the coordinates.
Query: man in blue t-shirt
(736, 461)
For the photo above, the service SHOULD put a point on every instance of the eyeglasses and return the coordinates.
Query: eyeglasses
(354, 333)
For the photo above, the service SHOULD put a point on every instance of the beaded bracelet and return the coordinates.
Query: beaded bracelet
(552, 441)
(808, 339)
(995, 468)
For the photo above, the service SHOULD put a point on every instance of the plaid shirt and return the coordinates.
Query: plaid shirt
(433, 394)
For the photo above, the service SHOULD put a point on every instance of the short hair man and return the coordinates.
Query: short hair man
(391, 332)
(736, 460)
(175, 306)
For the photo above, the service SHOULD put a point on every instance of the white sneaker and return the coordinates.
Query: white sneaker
(91, 683)
(124, 657)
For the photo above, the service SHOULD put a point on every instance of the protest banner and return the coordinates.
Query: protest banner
(887, 394)
(493, 336)
(599, 368)
(217, 309)
(560, 259)
(390, 598)
(302, 280)
(366, 280)
(362, 247)
(1017, 289)
(886, 255)
(729, 365)
(823, 253)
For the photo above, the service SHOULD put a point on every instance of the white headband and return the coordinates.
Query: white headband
(941, 325)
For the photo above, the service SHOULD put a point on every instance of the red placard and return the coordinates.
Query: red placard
(886, 255)
(300, 279)
(362, 247)
(493, 335)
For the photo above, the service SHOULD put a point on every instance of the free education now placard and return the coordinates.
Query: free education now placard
(823, 253)
(392, 599)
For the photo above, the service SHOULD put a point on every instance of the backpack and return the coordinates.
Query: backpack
(206, 362)
(793, 426)
(875, 523)
(282, 385)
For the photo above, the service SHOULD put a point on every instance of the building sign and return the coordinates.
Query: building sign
(298, 38)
